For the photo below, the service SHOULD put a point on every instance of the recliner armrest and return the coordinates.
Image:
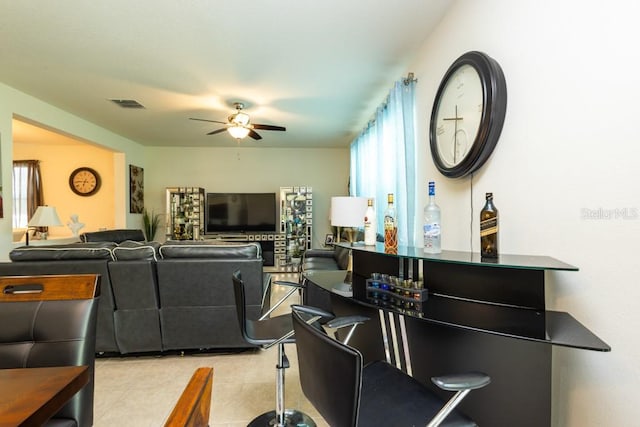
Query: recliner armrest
(320, 253)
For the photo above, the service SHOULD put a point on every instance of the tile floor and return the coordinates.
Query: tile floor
(141, 391)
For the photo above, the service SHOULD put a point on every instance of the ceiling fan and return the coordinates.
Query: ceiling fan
(239, 125)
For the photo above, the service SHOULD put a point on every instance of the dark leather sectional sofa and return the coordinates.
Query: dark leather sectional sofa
(157, 297)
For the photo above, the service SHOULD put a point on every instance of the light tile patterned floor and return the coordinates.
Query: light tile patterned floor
(141, 391)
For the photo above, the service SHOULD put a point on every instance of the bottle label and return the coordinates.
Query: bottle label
(389, 222)
(488, 227)
(431, 230)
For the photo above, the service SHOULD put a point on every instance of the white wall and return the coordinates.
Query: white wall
(16, 103)
(57, 163)
(569, 145)
(250, 170)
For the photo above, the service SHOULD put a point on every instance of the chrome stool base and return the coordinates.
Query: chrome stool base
(292, 417)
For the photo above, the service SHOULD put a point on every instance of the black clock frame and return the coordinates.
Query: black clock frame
(90, 170)
(494, 88)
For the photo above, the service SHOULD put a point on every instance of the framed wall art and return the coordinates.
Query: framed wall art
(136, 189)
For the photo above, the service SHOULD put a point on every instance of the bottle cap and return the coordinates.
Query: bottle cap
(390, 197)
(370, 202)
(489, 195)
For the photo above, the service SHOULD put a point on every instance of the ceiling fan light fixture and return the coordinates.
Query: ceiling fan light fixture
(238, 132)
(239, 118)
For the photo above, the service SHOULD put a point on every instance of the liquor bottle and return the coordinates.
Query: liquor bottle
(390, 227)
(489, 229)
(370, 224)
(431, 229)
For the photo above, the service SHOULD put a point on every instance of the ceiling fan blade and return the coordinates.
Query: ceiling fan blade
(205, 120)
(268, 127)
(217, 131)
(253, 134)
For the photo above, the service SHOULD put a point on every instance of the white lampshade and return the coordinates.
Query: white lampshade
(238, 132)
(348, 211)
(44, 216)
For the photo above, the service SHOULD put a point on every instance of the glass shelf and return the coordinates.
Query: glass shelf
(525, 262)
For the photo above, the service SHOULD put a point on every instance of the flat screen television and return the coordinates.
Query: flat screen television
(240, 212)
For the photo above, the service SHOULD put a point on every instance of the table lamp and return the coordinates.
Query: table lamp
(44, 216)
(348, 213)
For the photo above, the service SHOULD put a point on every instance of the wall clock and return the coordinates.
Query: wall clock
(84, 181)
(468, 114)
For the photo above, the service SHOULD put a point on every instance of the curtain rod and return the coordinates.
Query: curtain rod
(406, 81)
(409, 79)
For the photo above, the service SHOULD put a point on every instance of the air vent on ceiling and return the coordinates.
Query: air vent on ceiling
(127, 103)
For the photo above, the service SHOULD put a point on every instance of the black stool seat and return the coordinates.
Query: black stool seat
(348, 393)
(264, 332)
(385, 387)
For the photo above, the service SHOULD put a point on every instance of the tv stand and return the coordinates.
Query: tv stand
(269, 242)
(227, 236)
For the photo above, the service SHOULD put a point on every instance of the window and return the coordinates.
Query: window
(383, 158)
(27, 191)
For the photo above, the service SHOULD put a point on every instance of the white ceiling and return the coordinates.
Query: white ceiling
(317, 67)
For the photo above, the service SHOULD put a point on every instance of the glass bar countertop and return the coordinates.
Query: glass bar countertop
(527, 262)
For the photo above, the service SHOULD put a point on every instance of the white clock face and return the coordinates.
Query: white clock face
(459, 114)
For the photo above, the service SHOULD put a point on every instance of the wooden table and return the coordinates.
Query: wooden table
(30, 396)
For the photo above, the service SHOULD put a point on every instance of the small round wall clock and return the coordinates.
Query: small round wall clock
(468, 114)
(84, 181)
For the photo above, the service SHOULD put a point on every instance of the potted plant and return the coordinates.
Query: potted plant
(151, 223)
(296, 256)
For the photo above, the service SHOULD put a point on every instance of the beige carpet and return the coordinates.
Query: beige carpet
(141, 391)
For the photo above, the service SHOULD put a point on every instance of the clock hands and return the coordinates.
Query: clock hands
(455, 133)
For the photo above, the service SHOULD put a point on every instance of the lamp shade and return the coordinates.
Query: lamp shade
(348, 211)
(44, 216)
(238, 131)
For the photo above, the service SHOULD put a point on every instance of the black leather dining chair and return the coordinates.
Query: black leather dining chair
(347, 393)
(51, 321)
(265, 333)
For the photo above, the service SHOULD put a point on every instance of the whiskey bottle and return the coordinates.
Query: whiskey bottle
(370, 224)
(489, 229)
(431, 226)
(390, 227)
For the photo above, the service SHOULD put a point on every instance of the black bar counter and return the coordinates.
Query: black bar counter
(475, 314)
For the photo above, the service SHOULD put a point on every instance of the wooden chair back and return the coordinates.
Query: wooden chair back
(49, 288)
(194, 405)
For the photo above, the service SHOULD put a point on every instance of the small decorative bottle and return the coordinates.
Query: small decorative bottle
(370, 225)
(489, 229)
(431, 229)
(390, 227)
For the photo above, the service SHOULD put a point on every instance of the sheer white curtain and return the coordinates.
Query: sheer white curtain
(27, 191)
(383, 158)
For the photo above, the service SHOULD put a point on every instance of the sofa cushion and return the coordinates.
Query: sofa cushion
(71, 251)
(115, 236)
(132, 250)
(208, 250)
